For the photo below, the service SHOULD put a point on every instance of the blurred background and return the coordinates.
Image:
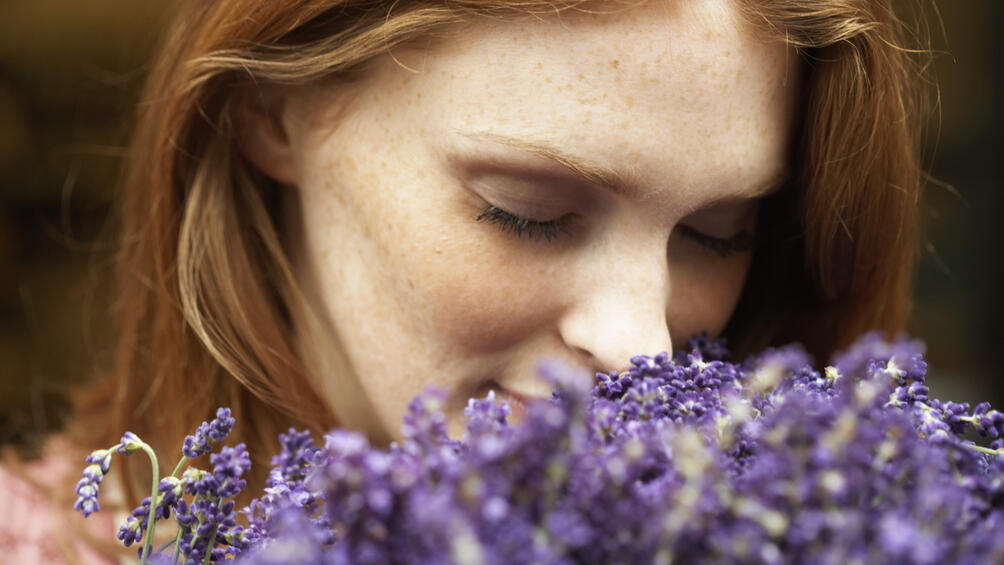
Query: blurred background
(70, 73)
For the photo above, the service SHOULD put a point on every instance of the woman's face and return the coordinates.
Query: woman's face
(635, 147)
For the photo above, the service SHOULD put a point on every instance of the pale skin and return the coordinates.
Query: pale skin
(680, 101)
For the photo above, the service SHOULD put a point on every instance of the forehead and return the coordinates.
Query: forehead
(680, 94)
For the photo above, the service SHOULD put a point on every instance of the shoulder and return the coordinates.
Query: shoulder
(37, 524)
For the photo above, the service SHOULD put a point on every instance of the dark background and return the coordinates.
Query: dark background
(70, 72)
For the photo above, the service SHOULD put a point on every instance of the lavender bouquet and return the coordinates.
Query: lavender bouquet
(686, 460)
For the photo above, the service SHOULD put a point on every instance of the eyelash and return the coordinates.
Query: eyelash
(519, 226)
(536, 230)
(723, 247)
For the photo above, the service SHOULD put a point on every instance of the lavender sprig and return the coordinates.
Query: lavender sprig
(141, 518)
(87, 488)
(167, 493)
(208, 433)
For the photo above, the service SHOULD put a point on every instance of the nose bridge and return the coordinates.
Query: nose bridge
(619, 309)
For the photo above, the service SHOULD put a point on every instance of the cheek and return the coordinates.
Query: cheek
(445, 285)
(477, 292)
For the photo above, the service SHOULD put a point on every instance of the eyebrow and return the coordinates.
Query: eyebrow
(623, 183)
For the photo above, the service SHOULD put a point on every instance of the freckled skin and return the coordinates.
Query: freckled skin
(419, 293)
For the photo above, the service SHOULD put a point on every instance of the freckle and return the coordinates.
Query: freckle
(616, 63)
(439, 251)
(539, 65)
(581, 77)
(547, 80)
(411, 284)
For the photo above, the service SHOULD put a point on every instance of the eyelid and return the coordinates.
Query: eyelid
(515, 191)
(742, 241)
(534, 203)
(725, 219)
(518, 226)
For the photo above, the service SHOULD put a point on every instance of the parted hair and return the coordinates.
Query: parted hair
(207, 307)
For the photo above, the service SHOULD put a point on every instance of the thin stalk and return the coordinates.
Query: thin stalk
(165, 545)
(986, 450)
(151, 522)
(212, 538)
(177, 545)
(209, 548)
(177, 468)
(177, 538)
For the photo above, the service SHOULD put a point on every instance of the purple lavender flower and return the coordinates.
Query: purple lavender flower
(228, 466)
(297, 454)
(295, 539)
(209, 518)
(871, 355)
(171, 490)
(703, 346)
(989, 422)
(135, 525)
(87, 488)
(208, 433)
(129, 444)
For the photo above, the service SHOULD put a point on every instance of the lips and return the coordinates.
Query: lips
(517, 402)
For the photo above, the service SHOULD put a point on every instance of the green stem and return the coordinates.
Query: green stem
(165, 545)
(177, 545)
(177, 538)
(177, 468)
(212, 538)
(986, 450)
(151, 522)
(209, 548)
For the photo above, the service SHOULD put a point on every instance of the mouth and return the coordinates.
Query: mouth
(517, 405)
(517, 402)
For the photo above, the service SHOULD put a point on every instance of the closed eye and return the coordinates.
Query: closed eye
(740, 242)
(519, 226)
(535, 230)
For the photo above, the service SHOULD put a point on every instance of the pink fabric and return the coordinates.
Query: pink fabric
(33, 528)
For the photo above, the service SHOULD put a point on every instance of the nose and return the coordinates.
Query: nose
(617, 317)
